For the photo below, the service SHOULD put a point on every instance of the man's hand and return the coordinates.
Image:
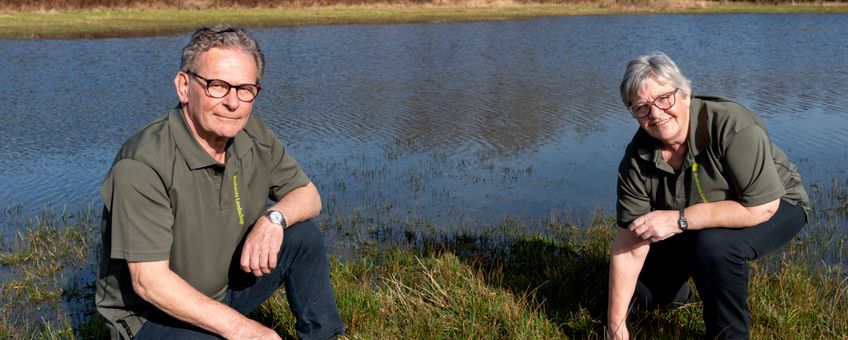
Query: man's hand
(261, 247)
(657, 225)
(265, 240)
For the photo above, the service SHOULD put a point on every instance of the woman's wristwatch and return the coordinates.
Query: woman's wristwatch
(681, 222)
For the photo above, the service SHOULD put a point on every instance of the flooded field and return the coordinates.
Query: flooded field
(438, 122)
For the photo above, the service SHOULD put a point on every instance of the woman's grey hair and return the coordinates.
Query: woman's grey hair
(221, 36)
(657, 66)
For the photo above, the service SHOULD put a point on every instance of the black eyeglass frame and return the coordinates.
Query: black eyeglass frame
(633, 108)
(209, 82)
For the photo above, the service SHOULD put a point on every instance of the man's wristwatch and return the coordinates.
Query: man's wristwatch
(682, 221)
(276, 217)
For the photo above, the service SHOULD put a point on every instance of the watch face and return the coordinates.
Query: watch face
(276, 217)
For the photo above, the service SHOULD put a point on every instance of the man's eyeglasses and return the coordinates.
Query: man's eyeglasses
(217, 88)
(663, 102)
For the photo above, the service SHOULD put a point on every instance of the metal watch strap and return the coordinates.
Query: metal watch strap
(283, 222)
(681, 222)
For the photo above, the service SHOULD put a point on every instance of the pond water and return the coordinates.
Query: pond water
(473, 121)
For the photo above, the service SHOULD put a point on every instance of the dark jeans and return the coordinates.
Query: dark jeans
(302, 266)
(717, 260)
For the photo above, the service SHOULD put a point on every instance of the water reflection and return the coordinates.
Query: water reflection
(439, 121)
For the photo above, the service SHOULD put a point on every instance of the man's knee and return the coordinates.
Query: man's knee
(305, 236)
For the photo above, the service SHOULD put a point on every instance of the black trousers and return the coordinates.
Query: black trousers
(717, 260)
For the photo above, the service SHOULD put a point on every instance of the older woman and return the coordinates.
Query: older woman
(702, 190)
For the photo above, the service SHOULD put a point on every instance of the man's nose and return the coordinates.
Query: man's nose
(231, 100)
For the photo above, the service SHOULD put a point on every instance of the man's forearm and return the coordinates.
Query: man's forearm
(156, 283)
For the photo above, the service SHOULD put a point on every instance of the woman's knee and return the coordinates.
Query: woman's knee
(719, 247)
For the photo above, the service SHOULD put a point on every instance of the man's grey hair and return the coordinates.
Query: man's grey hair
(657, 66)
(221, 36)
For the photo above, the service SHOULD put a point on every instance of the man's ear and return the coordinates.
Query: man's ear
(181, 85)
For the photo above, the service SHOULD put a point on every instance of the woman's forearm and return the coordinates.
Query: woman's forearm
(626, 260)
(729, 214)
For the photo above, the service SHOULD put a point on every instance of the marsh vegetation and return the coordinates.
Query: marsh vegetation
(532, 278)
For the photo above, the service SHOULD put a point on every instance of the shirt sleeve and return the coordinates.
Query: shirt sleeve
(286, 174)
(141, 216)
(753, 174)
(632, 196)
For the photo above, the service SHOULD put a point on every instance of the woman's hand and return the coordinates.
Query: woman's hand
(618, 332)
(657, 225)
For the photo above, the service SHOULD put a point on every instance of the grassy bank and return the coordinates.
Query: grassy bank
(520, 279)
(151, 19)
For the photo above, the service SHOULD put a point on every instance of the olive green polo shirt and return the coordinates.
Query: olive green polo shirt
(167, 199)
(729, 157)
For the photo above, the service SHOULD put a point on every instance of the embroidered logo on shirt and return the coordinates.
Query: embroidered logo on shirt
(238, 201)
(698, 182)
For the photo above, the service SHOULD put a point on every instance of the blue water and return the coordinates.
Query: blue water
(443, 122)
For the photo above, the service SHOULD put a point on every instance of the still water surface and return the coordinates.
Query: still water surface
(474, 121)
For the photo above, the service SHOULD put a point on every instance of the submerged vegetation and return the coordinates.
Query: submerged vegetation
(544, 278)
(47, 273)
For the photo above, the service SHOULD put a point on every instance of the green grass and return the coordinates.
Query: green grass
(400, 294)
(519, 279)
(125, 22)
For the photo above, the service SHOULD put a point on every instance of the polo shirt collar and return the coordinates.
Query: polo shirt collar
(191, 150)
(649, 148)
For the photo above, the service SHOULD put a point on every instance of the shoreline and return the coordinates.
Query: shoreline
(128, 22)
(539, 279)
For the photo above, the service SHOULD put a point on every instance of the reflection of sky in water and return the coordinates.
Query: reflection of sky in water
(439, 121)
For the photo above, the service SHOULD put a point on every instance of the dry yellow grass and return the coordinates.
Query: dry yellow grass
(36, 19)
(47, 6)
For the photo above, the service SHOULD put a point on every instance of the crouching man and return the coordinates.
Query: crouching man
(190, 245)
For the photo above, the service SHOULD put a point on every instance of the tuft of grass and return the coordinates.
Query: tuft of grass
(437, 295)
(800, 303)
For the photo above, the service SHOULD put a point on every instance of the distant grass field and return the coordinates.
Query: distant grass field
(37, 20)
